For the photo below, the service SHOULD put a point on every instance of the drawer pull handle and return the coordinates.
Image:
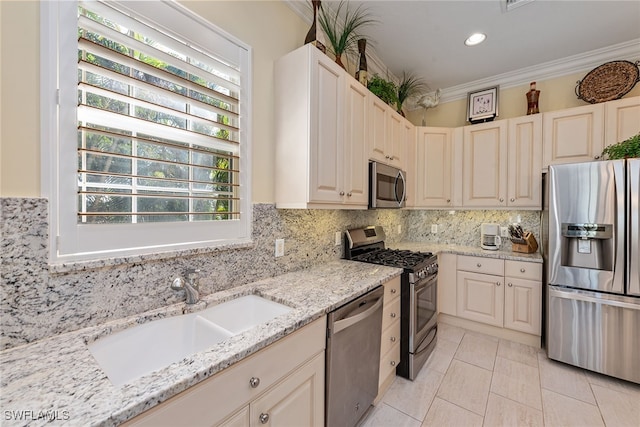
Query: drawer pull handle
(393, 291)
(264, 418)
(393, 339)
(498, 283)
(393, 363)
(393, 315)
(510, 285)
(479, 265)
(522, 270)
(254, 382)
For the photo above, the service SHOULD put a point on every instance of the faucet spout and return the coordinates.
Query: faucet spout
(190, 285)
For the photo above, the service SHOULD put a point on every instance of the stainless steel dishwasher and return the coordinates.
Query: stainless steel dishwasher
(353, 358)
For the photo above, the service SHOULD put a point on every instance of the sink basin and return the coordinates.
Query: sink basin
(142, 349)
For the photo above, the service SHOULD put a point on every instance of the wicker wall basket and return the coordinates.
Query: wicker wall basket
(609, 81)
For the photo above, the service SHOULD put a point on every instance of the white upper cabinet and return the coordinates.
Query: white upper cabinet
(388, 134)
(622, 119)
(321, 125)
(573, 135)
(437, 175)
(524, 182)
(485, 165)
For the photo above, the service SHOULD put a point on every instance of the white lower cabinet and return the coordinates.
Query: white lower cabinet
(390, 342)
(282, 384)
(502, 293)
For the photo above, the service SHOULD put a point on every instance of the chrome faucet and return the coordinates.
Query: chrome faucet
(190, 285)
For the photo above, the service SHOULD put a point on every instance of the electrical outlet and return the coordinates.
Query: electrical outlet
(338, 238)
(504, 232)
(279, 247)
(399, 228)
(434, 228)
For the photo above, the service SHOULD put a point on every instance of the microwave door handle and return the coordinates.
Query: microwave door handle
(400, 178)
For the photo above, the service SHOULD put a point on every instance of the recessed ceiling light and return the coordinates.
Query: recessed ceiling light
(474, 39)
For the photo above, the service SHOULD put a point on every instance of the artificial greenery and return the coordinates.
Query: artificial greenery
(342, 27)
(410, 86)
(383, 89)
(626, 149)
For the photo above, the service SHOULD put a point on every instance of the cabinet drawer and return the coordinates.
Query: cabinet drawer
(391, 289)
(388, 364)
(390, 313)
(523, 270)
(482, 265)
(269, 365)
(390, 337)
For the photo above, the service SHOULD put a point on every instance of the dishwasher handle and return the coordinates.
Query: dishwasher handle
(350, 321)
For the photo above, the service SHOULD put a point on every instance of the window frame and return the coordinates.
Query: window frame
(71, 241)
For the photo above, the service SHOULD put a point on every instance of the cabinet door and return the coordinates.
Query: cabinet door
(525, 162)
(355, 168)
(622, 119)
(573, 135)
(434, 180)
(378, 129)
(480, 297)
(396, 143)
(485, 165)
(296, 401)
(242, 418)
(327, 132)
(523, 305)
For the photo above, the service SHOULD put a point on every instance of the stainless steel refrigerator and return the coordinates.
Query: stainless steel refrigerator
(592, 262)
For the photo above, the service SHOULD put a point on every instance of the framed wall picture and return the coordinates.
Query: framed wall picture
(482, 105)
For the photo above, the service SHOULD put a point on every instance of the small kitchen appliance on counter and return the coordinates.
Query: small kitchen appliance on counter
(418, 293)
(490, 237)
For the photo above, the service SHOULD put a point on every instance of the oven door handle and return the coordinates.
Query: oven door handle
(350, 321)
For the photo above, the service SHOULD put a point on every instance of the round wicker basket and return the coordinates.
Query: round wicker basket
(608, 81)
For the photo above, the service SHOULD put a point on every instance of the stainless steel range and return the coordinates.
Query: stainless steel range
(418, 296)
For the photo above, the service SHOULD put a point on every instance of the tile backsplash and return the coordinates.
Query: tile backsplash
(37, 302)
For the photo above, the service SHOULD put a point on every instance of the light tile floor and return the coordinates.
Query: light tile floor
(473, 379)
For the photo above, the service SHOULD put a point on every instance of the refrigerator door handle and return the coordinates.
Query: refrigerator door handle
(621, 230)
(633, 203)
(579, 296)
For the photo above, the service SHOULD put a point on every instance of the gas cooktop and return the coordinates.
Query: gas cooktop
(394, 257)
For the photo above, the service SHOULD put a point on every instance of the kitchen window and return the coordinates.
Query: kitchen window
(145, 130)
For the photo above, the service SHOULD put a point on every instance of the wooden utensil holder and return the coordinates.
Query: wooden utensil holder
(527, 245)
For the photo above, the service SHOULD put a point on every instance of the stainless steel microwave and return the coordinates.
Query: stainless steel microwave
(387, 186)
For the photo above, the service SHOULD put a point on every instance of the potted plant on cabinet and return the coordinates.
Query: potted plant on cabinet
(410, 86)
(629, 148)
(343, 33)
(383, 89)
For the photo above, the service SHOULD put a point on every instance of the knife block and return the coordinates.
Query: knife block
(527, 245)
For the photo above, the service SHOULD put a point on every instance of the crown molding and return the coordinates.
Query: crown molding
(548, 70)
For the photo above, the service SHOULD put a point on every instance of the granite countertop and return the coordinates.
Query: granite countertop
(57, 381)
(468, 250)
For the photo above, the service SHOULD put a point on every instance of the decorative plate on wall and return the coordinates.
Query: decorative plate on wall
(609, 81)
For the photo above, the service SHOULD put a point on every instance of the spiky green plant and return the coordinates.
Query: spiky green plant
(342, 28)
(410, 86)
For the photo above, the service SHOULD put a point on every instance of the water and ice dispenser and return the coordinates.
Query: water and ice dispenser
(588, 246)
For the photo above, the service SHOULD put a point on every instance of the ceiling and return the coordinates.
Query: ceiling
(426, 38)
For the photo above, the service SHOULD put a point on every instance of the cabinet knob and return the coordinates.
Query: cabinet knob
(448, 200)
(254, 382)
(510, 285)
(501, 200)
(596, 157)
(342, 193)
(264, 418)
(349, 194)
(522, 270)
(387, 157)
(393, 363)
(513, 200)
(393, 315)
(393, 339)
(498, 283)
(391, 158)
(479, 265)
(393, 291)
